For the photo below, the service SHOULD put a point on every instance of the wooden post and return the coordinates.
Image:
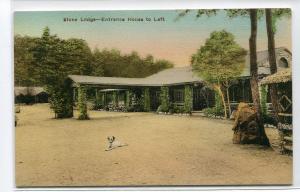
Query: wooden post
(96, 93)
(146, 99)
(74, 94)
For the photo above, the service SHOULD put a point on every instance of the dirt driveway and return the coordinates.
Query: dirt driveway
(162, 150)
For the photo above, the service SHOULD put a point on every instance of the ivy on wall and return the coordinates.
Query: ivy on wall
(146, 99)
(128, 98)
(82, 103)
(103, 99)
(61, 99)
(263, 98)
(188, 99)
(217, 110)
(115, 98)
(219, 107)
(164, 99)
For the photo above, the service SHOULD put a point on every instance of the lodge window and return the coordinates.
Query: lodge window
(178, 95)
(234, 94)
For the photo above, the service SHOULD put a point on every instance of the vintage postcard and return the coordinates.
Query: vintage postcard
(153, 98)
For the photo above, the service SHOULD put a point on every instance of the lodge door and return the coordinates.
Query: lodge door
(154, 99)
(199, 101)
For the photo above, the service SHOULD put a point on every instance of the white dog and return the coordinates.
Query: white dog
(113, 143)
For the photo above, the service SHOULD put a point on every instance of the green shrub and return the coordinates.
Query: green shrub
(97, 104)
(130, 108)
(82, 103)
(213, 112)
(217, 110)
(218, 103)
(159, 109)
(139, 106)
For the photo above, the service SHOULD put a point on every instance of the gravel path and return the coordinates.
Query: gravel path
(162, 150)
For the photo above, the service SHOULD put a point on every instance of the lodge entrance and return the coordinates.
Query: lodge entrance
(154, 99)
(203, 97)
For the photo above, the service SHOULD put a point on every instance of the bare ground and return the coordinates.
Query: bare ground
(162, 150)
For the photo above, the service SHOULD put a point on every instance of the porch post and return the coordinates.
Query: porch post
(243, 89)
(96, 93)
(146, 99)
(115, 98)
(103, 98)
(164, 99)
(74, 94)
(188, 99)
(128, 98)
(82, 103)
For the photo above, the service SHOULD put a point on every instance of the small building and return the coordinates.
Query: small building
(283, 81)
(30, 95)
(177, 81)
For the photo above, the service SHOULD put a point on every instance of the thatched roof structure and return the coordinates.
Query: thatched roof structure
(282, 76)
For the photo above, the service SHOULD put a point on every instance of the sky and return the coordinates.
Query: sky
(164, 36)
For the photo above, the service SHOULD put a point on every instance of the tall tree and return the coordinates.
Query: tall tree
(25, 72)
(79, 57)
(254, 15)
(271, 16)
(263, 139)
(219, 60)
(97, 63)
(50, 55)
(272, 59)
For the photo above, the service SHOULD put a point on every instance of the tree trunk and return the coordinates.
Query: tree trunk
(263, 139)
(228, 101)
(218, 88)
(272, 60)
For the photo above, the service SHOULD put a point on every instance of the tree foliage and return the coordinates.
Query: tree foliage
(115, 64)
(25, 72)
(278, 14)
(48, 54)
(39, 60)
(48, 60)
(219, 60)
